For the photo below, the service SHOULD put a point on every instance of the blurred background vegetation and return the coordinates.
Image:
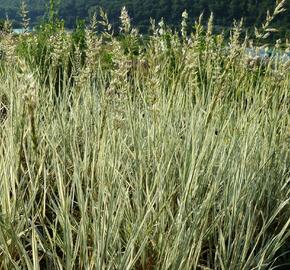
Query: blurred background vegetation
(225, 11)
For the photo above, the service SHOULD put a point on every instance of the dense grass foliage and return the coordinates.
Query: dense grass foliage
(120, 152)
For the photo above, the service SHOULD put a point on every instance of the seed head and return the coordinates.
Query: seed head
(125, 21)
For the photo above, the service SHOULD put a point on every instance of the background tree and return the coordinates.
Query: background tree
(225, 11)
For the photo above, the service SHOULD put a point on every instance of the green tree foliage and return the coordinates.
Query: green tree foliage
(225, 11)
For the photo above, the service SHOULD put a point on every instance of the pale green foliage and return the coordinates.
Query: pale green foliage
(174, 155)
(24, 16)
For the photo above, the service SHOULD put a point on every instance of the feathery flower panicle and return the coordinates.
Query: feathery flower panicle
(93, 48)
(161, 30)
(184, 24)
(266, 29)
(8, 43)
(210, 26)
(93, 45)
(195, 37)
(92, 52)
(77, 60)
(24, 16)
(153, 26)
(105, 23)
(59, 43)
(280, 4)
(93, 23)
(7, 25)
(235, 44)
(125, 21)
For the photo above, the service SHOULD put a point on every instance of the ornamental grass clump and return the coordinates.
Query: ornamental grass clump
(164, 152)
